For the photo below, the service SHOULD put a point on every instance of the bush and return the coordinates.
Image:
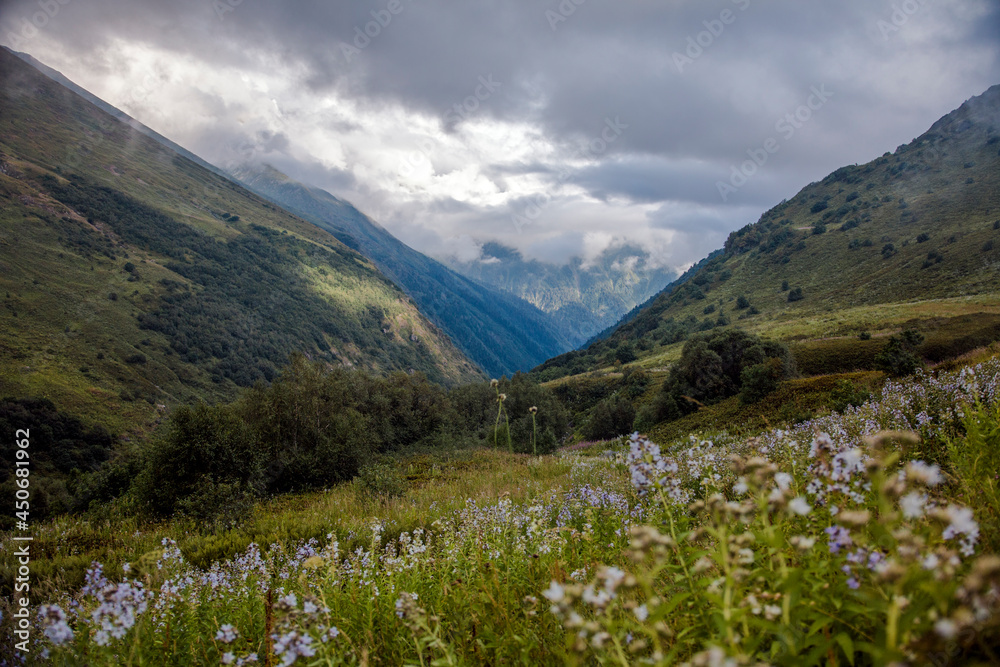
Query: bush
(818, 206)
(610, 418)
(784, 285)
(742, 302)
(846, 394)
(625, 353)
(795, 295)
(897, 358)
(381, 481)
(712, 368)
(758, 381)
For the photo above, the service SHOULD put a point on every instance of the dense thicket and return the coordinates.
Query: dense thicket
(315, 426)
(718, 366)
(60, 449)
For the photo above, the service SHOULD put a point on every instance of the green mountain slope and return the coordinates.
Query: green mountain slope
(582, 298)
(133, 278)
(500, 332)
(912, 234)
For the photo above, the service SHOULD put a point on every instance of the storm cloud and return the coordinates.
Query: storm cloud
(553, 127)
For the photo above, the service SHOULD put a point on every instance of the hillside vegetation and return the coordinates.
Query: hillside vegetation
(134, 280)
(917, 230)
(498, 331)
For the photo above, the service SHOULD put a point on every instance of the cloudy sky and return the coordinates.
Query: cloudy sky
(560, 127)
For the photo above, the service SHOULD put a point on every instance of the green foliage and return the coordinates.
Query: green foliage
(742, 302)
(898, 357)
(795, 295)
(715, 367)
(759, 380)
(380, 481)
(847, 394)
(975, 459)
(63, 453)
(625, 353)
(610, 418)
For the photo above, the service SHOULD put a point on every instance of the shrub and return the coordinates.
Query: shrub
(922, 238)
(795, 295)
(380, 481)
(610, 418)
(758, 381)
(818, 206)
(819, 229)
(864, 335)
(625, 353)
(847, 394)
(784, 285)
(742, 302)
(888, 250)
(897, 358)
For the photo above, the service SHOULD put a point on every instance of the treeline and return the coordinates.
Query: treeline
(313, 427)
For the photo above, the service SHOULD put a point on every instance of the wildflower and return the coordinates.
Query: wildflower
(839, 538)
(799, 506)
(228, 658)
(227, 634)
(288, 602)
(803, 543)
(642, 613)
(745, 556)
(913, 504)
(772, 611)
(853, 584)
(923, 473)
(494, 382)
(946, 628)
(533, 409)
(962, 525)
(855, 519)
(309, 607)
(931, 562)
(291, 646)
(741, 486)
(57, 630)
(783, 480)
(554, 593)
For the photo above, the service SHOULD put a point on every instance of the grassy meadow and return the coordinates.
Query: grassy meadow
(862, 536)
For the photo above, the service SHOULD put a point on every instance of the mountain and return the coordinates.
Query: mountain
(912, 235)
(133, 277)
(499, 331)
(583, 298)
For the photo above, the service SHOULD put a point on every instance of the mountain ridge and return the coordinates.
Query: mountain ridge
(133, 278)
(501, 332)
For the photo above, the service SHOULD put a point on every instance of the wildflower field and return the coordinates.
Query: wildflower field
(863, 537)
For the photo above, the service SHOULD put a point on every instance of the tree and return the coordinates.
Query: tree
(898, 357)
(610, 418)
